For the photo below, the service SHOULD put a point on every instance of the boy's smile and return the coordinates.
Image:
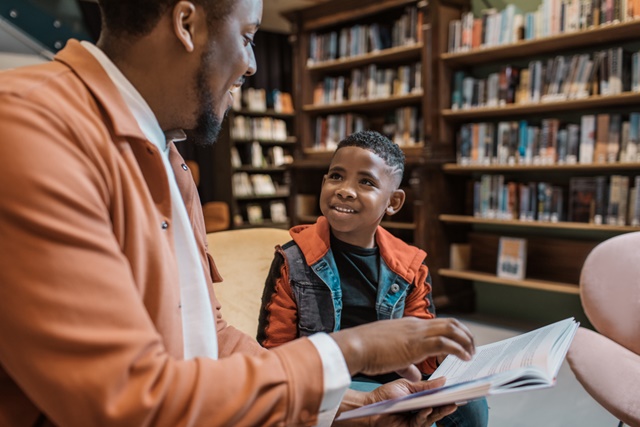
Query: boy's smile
(357, 191)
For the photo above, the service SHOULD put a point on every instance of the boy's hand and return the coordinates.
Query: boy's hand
(412, 373)
(393, 345)
(399, 388)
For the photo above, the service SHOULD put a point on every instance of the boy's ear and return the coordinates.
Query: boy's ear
(396, 201)
(184, 20)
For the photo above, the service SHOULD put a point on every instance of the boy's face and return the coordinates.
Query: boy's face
(357, 191)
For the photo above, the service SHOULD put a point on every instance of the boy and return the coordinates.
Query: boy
(345, 270)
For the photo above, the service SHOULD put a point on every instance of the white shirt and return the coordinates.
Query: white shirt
(198, 322)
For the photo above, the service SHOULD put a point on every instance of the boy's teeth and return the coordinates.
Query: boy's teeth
(344, 210)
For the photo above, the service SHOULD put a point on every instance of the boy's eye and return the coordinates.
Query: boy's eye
(249, 41)
(368, 182)
(335, 176)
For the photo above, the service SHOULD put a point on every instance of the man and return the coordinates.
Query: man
(107, 314)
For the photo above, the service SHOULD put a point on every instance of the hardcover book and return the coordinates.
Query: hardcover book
(582, 195)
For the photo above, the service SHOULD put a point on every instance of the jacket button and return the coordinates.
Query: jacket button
(184, 166)
(395, 288)
(165, 225)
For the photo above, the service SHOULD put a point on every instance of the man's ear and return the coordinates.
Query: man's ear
(184, 20)
(396, 201)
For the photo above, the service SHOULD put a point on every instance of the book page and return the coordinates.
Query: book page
(532, 349)
(523, 362)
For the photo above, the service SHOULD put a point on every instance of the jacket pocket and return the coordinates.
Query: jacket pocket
(315, 308)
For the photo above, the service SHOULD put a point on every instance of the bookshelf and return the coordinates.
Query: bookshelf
(257, 141)
(341, 89)
(559, 248)
(261, 148)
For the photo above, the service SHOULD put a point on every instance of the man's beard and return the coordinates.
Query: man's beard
(208, 125)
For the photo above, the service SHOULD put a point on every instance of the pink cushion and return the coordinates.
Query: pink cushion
(608, 372)
(610, 290)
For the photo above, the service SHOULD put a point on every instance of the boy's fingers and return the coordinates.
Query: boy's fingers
(411, 373)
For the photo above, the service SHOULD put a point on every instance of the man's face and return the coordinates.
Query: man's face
(224, 65)
(356, 192)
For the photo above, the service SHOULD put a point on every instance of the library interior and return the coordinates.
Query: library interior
(519, 121)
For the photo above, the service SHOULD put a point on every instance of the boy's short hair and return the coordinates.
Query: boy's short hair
(379, 144)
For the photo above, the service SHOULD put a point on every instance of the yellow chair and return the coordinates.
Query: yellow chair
(243, 258)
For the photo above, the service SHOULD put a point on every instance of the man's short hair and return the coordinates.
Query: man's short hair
(139, 17)
(379, 144)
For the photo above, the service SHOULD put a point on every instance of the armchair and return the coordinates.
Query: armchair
(243, 258)
(607, 362)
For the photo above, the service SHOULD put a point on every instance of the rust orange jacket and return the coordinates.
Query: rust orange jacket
(280, 316)
(90, 324)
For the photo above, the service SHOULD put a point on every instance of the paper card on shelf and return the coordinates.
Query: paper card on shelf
(512, 258)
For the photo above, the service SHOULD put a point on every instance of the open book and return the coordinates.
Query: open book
(524, 362)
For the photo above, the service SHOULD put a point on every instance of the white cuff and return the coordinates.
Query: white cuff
(335, 375)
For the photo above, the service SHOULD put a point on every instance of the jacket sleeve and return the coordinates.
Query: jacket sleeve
(78, 337)
(419, 304)
(278, 322)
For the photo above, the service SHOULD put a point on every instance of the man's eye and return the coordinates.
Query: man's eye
(249, 41)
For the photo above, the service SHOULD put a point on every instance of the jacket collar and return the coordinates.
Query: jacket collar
(403, 259)
(89, 70)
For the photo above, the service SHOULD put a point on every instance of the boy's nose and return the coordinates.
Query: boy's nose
(345, 191)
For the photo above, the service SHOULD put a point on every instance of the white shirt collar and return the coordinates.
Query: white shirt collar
(139, 108)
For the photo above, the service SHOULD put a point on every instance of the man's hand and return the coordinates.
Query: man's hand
(394, 345)
(392, 390)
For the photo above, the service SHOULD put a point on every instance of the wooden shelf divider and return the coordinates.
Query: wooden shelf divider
(548, 45)
(365, 104)
(510, 110)
(541, 285)
(454, 168)
(563, 225)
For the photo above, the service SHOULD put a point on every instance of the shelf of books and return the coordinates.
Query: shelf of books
(359, 66)
(539, 127)
(262, 144)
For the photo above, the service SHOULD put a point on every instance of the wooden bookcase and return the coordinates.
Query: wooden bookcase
(244, 142)
(556, 250)
(422, 176)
